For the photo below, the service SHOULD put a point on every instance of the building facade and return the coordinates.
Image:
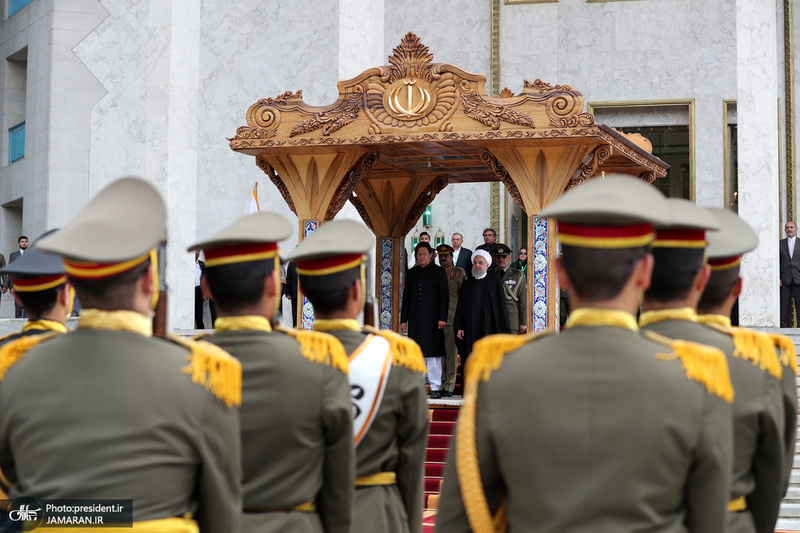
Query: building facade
(106, 88)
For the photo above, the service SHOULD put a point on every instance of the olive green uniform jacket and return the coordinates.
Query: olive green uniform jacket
(759, 425)
(592, 431)
(102, 414)
(455, 278)
(395, 442)
(297, 435)
(515, 290)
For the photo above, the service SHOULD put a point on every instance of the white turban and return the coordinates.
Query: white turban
(481, 253)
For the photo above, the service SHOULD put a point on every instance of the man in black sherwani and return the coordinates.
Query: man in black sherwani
(426, 300)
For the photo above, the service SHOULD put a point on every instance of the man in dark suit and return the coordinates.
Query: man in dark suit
(462, 257)
(22, 241)
(790, 273)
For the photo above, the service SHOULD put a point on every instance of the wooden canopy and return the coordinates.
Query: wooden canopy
(398, 134)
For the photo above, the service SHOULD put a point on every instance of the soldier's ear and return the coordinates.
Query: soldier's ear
(563, 278)
(271, 284)
(702, 277)
(737, 287)
(643, 271)
(205, 288)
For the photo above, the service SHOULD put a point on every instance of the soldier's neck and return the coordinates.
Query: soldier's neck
(342, 313)
(650, 305)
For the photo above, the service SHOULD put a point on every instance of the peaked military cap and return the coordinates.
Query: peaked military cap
(731, 241)
(36, 270)
(335, 247)
(444, 249)
(502, 250)
(614, 211)
(118, 229)
(252, 238)
(687, 226)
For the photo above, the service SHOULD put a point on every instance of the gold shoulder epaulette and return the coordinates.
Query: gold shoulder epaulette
(15, 350)
(703, 364)
(786, 346)
(321, 348)
(487, 354)
(406, 352)
(214, 368)
(753, 346)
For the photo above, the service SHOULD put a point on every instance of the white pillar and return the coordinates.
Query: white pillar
(759, 165)
(361, 36)
(172, 126)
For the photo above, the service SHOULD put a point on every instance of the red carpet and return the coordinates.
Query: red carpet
(441, 432)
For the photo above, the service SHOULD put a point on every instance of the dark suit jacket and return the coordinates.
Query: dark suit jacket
(11, 258)
(465, 260)
(790, 268)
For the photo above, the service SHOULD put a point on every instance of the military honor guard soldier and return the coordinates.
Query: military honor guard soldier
(680, 276)
(515, 289)
(455, 278)
(390, 429)
(756, 480)
(110, 412)
(296, 416)
(41, 287)
(600, 428)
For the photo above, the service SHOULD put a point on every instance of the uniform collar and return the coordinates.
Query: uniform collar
(661, 315)
(245, 322)
(590, 316)
(116, 321)
(718, 320)
(334, 324)
(44, 324)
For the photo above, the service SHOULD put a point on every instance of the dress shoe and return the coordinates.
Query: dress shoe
(435, 395)
(446, 393)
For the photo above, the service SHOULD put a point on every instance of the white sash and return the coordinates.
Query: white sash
(368, 372)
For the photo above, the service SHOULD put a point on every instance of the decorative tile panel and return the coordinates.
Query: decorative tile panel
(540, 275)
(385, 309)
(309, 227)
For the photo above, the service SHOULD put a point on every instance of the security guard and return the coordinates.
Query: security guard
(41, 287)
(455, 277)
(515, 289)
(757, 483)
(110, 412)
(600, 428)
(296, 417)
(390, 429)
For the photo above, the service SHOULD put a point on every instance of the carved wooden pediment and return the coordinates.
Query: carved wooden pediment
(410, 95)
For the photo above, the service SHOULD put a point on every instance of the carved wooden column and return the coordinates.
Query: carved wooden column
(315, 187)
(535, 176)
(390, 207)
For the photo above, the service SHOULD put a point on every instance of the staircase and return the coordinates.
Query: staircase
(789, 515)
(443, 425)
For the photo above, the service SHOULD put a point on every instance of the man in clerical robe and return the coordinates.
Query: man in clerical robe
(481, 307)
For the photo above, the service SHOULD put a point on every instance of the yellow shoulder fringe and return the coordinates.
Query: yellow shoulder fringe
(788, 355)
(753, 346)
(320, 348)
(487, 356)
(214, 368)
(15, 350)
(703, 364)
(406, 352)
